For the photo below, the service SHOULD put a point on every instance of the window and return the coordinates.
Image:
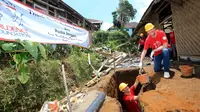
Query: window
(40, 8)
(29, 3)
(61, 17)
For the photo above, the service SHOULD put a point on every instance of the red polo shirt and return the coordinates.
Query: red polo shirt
(131, 104)
(156, 42)
(141, 41)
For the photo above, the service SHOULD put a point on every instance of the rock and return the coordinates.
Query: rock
(73, 99)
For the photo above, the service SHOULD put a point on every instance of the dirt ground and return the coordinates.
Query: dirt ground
(111, 105)
(176, 94)
(172, 95)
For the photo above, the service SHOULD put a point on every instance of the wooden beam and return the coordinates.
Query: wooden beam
(84, 23)
(30, 1)
(179, 2)
(48, 7)
(69, 20)
(51, 5)
(166, 19)
(66, 15)
(159, 7)
(55, 14)
(163, 7)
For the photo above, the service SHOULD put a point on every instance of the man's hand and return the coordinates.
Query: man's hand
(140, 65)
(141, 90)
(136, 82)
(152, 53)
(136, 98)
(137, 79)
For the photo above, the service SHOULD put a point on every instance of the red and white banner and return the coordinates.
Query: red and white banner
(18, 21)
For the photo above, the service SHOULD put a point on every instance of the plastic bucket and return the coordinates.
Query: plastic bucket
(186, 70)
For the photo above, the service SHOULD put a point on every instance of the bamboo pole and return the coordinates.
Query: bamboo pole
(66, 88)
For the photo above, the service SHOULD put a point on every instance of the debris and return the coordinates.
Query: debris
(79, 101)
(73, 99)
(92, 82)
(52, 106)
(79, 95)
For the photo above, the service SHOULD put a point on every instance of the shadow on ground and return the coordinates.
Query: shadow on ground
(158, 75)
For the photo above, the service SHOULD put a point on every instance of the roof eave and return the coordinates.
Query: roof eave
(144, 15)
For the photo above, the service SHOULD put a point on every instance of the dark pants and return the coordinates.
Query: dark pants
(165, 56)
(141, 48)
(174, 52)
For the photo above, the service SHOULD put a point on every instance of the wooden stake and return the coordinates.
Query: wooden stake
(66, 88)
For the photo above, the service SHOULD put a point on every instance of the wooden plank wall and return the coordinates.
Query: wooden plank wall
(186, 21)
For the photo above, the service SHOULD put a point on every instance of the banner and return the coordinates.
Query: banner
(18, 21)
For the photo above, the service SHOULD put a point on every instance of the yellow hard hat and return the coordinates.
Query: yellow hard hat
(122, 86)
(148, 26)
(141, 34)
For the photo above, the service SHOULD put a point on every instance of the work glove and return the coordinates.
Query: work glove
(140, 65)
(152, 53)
(138, 47)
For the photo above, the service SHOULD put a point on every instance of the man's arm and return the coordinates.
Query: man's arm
(131, 98)
(141, 90)
(138, 96)
(164, 42)
(144, 52)
(165, 45)
(136, 83)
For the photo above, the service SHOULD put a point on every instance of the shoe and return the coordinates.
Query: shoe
(166, 75)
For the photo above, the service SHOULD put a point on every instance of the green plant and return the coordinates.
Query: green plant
(100, 38)
(116, 40)
(58, 51)
(79, 63)
(45, 83)
(124, 13)
(22, 52)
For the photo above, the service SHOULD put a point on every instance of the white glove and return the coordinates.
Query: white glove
(138, 47)
(140, 65)
(152, 53)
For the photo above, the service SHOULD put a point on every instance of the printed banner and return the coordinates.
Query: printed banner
(18, 21)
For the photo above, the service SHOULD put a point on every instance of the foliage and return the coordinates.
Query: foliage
(20, 54)
(79, 63)
(124, 13)
(45, 83)
(116, 40)
(115, 20)
(58, 51)
(100, 38)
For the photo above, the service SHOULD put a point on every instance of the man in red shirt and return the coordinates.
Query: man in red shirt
(129, 98)
(141, 42)
(173, 43)
(157, 40)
